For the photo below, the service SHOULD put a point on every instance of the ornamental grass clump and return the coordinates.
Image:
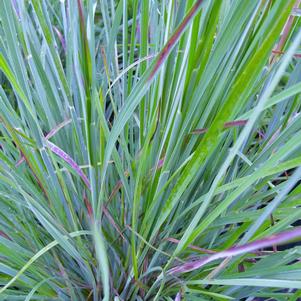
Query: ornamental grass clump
(150, 150)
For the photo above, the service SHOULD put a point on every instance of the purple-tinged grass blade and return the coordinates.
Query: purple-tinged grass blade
(192, 247)
(129, 108)
(88, 206)
(57, 128)
(58, 151)
(239, 250)
(114, 191)
(48, 136)
(86, 60)
(226, 126)
(296, 55)
(199, 131)
(16, 8)
(61, 38)
(160, 163)
(235, 123)
(112, 221)
(174, 39)
(20, 161)
(178, 296)
(241, 267)
(106, 213)
(4, 235)
(119, 183)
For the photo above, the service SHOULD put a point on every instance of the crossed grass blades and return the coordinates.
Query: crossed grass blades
(150, 150)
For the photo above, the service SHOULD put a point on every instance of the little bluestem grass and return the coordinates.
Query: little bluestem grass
(150, 150)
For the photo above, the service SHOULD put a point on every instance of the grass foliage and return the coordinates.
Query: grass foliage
(138, 138)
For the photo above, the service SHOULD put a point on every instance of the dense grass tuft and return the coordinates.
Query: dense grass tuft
(150, 150)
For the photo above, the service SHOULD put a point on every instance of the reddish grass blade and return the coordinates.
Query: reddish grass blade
(4, 235)
(114, 191)
(87, 59)
(112, 221)
(174, 39)
(239, 250)
(61, 38)
(119, 184)
(207, 251)
(226, 126)
(81, 15)
(20, 161)
(57, 128)
(48, 136)
(88, 206)
(58, 151)
(105, 211)
(297, 55)
(160, 163)
(286, 32)
(241, 267)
